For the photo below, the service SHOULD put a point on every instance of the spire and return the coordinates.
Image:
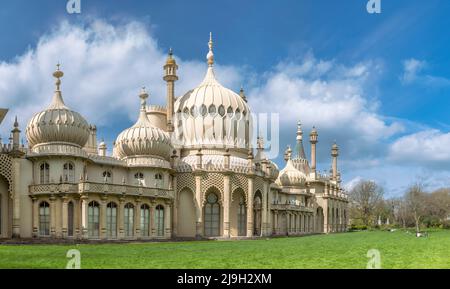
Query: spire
(242, 94)
(210, 55)
(300, 149)
(143, 111)
(58, 101)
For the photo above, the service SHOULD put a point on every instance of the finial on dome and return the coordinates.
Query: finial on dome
(16, 123)
(242, 94)
(210, 55)
(299, 130)
(58, 74)
(143, 95)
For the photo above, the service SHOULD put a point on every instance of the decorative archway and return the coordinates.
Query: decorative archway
(211, 213)
(238, 214)
(319, 220)
(257, 213)
(5, 221)
(186, 221)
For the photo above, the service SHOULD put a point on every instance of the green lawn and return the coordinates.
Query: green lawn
(349, 250)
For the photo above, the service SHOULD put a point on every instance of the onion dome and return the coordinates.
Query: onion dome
(143, 139)
(57, 124)
(212, 116)
(290, 176)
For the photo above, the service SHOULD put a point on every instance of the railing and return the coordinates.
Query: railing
(291, 207)
(92, 187)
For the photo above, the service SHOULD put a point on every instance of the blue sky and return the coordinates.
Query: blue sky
(394, 66)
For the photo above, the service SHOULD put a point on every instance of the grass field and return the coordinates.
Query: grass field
(349, 250)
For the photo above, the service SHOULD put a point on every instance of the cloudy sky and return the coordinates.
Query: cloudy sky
(377, 84)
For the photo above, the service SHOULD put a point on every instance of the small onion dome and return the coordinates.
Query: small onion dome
(290, 176)
(57, 124)
(143, 139)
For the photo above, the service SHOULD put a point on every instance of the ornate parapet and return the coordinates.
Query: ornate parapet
(100, 188)
(290, 207)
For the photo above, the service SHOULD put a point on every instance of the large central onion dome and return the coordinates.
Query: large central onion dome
(143, 139)
(57, 124)
(212, 116)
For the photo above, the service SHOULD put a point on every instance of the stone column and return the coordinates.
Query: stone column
(226, 205)
(16, 198)
(35, 217)
(167, 220)
(264, 210)
(325, 218)
(65, 215)
(175, 207)
(152, 219)
(250, 208)
(137, 220)
(84, 217)
(103, 206)
(275, 225)
(120, 218)
(53, 216)
(199, 205)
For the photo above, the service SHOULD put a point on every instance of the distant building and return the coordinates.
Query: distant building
(185, 170)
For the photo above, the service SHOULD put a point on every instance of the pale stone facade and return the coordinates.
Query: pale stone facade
(187, 170)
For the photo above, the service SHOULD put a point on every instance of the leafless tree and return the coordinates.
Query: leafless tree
(365, 197)
(415, 201)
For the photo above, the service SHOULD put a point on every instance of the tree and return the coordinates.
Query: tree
(365, 197)
(415, 201)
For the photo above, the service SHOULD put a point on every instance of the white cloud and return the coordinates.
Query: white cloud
(105, 66)
(430, 147)
(411, 68)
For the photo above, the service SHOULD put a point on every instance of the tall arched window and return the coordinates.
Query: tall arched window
(93, 219)
(129, 220)
(107, 176)
(159, 220)
(257, 213)
(69, 173)
(44, 219)
(111, 220)
(212, 216)
(70, 218)
(139, 177)
(44, 173)
(145, 220)
(242, 217)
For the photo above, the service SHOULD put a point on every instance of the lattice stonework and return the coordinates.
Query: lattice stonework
(212, 180)
(6, 169)
(239, 181)
(258, 185)
(185, 181)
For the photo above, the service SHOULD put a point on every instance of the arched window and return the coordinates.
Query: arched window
(212, 216)
(145, 220)
(257, 213)
(129, 220)
(45, 173)
(242, 217)
(69, 173)
(93, 219)
(107, 176)
(44, 219)
(70, 218)
(139, 177)
(159, 220)
(158, 180)
(111, 220)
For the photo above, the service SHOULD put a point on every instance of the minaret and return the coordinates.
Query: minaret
(300, 149)
(15, 136)
(170, 77)
(313, 139)
(334, 154)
